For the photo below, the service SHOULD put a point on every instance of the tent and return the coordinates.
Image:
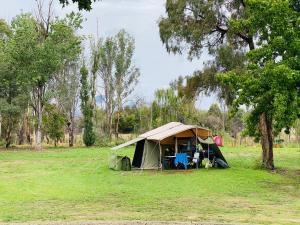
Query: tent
(168, 140)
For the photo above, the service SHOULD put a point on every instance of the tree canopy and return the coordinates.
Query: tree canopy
(269, 32)
(82, 4)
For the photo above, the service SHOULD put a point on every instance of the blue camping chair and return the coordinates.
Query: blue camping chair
(181, 158)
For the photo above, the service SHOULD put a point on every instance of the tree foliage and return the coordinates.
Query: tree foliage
(86, 108)
(270, 30)
(82, 4)
(53, 123)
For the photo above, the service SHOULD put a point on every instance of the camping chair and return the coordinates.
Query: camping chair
(181, 158)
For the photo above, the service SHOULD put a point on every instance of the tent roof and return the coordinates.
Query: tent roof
(128, 143)
(158, 130)
(175, 130)
(167, 130)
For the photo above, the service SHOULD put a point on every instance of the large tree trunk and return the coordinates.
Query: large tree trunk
(8, 137)
(38, 144)
(0, 126)
(265, 127)
(117, 125)
(71, 130)
(27, 127)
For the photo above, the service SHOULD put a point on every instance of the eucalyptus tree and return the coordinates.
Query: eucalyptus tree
(95, 46)
(67, 86)
(126, 73)
(272, 80)
(269, 26)
(86, 107)
(106, 71)
(67, 82)
(82, 4)
(40, 47)
(13, 96)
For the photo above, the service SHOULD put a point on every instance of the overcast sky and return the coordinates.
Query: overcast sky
(140, 19)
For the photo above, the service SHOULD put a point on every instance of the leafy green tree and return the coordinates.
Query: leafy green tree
(86, 108)
(269, 26)
(126, 74)
(113, 62)
(82, 4)
(271, 83)
(67, 82)
(106, 72)
(40, 47)
(214, 110)
(12, 89)
(226, 58)
(53, 123)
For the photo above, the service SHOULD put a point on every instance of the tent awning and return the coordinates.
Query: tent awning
(208, 141)
(158, 130)
(128, 143)
(178, 129)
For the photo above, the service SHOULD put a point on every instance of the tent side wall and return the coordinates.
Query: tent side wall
(151, 155)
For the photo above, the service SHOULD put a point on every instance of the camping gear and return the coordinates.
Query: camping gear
(220, 163)
(150, 148)
(126, 165)
(115, 162)
(218, 140)
(181, 158)
(196, 159)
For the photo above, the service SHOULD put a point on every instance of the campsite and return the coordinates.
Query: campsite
(150, 112)
(159, 148)
(77, 185)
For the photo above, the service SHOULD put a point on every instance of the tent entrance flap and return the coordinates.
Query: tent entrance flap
(138, 154)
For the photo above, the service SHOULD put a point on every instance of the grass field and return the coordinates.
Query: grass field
(76, 185)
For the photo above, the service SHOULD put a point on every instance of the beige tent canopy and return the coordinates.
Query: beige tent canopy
(151, 146)
(167, 132)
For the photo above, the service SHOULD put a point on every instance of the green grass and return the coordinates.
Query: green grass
(76, 185)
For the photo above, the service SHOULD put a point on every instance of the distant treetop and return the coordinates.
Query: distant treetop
(82, 4)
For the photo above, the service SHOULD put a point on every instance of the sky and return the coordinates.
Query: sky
(140, 19)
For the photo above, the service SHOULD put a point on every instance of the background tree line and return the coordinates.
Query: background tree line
(44, 76)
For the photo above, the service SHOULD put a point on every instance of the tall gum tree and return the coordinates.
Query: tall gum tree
(40, 49)
(245, 25)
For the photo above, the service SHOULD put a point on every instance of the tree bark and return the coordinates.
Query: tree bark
(71, 130)
(8, 138)
(0, 126)
(38, 145)
(117, 125)
(265, 127)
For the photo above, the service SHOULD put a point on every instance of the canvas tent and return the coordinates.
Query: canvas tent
(153, 145)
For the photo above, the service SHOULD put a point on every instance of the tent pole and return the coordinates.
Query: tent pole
(196, 136)
(176, 145)
(160, 155)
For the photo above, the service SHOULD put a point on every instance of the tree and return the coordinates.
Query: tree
(53, 123)
(86, 108)
(201, 24)
(95, 46)
(226, 58)
(106, 71)
(82, 4)
(271, 83)
(67, 86)
(12, 89)
(67, 82)
(41, 46)
(126, 74)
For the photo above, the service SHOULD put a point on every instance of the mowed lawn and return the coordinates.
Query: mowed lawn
(76, 185)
